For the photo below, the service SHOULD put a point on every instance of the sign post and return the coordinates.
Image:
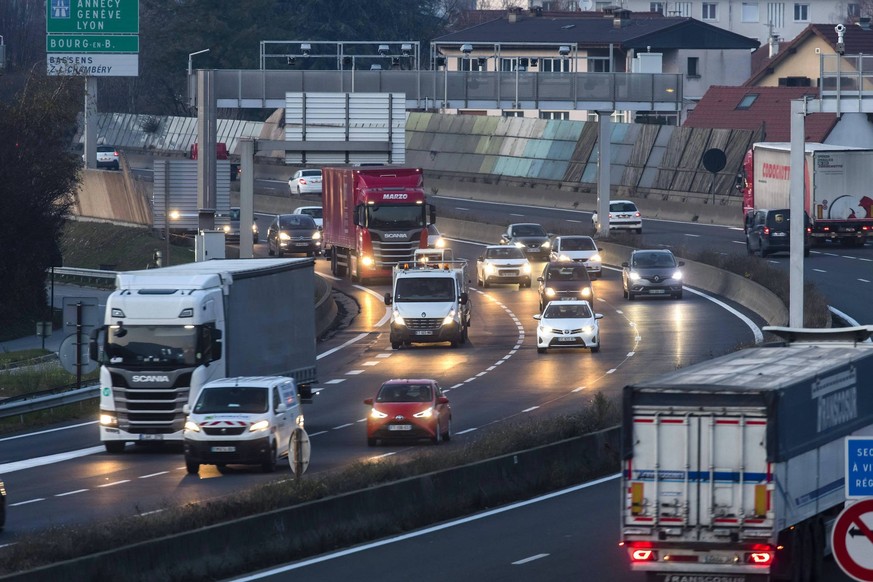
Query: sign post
(852, 540)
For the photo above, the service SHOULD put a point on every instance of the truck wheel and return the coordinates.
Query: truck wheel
(114, 447)
(817, 535)
(395, 345)
(269, 465)
(192, 467)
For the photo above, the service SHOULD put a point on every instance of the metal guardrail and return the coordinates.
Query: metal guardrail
(47, 399)
(84, 273)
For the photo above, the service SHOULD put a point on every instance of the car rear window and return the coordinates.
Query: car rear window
(310, 173)
(105, 149)
(622, 207)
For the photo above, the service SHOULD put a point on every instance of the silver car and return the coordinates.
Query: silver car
(503, 264)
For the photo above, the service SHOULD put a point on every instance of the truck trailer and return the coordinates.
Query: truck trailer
(374, 219)
(836, 188)
(431, 302)
(733, 468)
(169, 331)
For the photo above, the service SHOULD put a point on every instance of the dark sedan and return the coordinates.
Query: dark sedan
(293, 233)
(652, 272)
(562, 280)
(531, 238)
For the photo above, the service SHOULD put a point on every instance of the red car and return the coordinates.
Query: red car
(409, 409)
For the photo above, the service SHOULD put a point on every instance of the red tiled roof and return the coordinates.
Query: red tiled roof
(771, 111)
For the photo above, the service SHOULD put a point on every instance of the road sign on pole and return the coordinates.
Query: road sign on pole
(859, 467)
(72, 16)
(852, 540)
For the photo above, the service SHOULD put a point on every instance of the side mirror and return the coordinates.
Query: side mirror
(388, 299)
(464, 298)
(624, 264)
(186, 409)
(538, 317)
(480, 259)
(681, 263)
(599, 250)
(598, 316)
(94, 343)
(540, 279)
(368, 402)
(281, 408)
(442, 400)
(551, 234)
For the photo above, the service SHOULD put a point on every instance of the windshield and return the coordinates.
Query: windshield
(578, 244)
(651, 260)
(395, 217)
(404, 393)
(528, 230)
(570, 273)
(232, 399)
(504, 253)
(152, 344)
(557, 310)
(425, 289)
(296, 222)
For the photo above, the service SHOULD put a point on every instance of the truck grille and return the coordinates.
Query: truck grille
(387, 254)
(424, 323)
(151, 409)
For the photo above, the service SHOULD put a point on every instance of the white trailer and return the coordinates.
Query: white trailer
(169, 331)
(734, 467)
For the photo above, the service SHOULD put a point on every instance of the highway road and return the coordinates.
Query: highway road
(62, 475)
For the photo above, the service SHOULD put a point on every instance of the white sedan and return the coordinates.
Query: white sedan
(502, 264)
(314, 211)
(578, 249)
(568, 324)
(305, 182)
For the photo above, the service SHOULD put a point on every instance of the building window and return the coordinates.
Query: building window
(602, 6)
(554, 65)
(746, 102)
(801, 12)
(472, 64)
(776, 14)
(554, 115)
(682, 9)
(512, 113)
(656, 8)
(710, 11)
(694, 67)
(750, 12)
(854, 10)
(598, 64)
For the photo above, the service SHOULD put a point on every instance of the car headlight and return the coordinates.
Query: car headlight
(450, 318)
(398, 319)
(677, 275)
(596, 259)
(107, 419)
(440, 243)
(284, 236)
(316, 235)
(519, 244)
(367, 261)
(633, 276)
(564, 258)
(489, 269)
(226, 228)
(585, 292)
(542, 329)
(588, 329)
(525, 268)
(260, 425)
(254, 228)
(299, 420)
(192, 426)
(376, 414)
(549, 292)
(424, 413)
(546, 245)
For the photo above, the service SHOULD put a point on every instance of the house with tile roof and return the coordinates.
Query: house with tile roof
(617, 41)
(792, 71)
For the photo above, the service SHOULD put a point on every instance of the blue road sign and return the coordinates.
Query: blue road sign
(859, 467)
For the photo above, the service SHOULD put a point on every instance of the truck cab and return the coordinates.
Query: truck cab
(430, 302)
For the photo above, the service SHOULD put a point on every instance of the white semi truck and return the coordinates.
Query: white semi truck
(431, 302)
(169, 331)
(733, 468)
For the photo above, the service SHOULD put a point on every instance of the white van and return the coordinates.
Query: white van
(245, 421)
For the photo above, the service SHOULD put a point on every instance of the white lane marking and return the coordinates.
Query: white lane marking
(30, 434)
(848, 257)
(514, 214)
(312, 434)
(365, 418)
(7, 468)
(865, 260)
(385, 455)
(481, 374)
(864, 280)
(531, 409)
(461, 208)
(354, 372)
(153, 475)
(27, 502)
(819, 270)
(629, 354)
(756, 331)
(336, 381)
(612, 371)
(150, 512)
(531, 559)
(381, 298)
(346, 425)
(489, 368)
(469, 379)
(371, 363)
(70, 492)
(458, 385)
(357, 338)
(388, 355)
(421, 532)
(579, 389)
(565, 220)
(114, 483)
(465, 431)
(686, 234)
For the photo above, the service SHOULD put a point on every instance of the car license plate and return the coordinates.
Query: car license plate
(399, 427)
(151, 437)
(778, 234)
(566, 339)
(509, 273)
(303, 244)
(423, 332)
(656, 291)
(223, 449)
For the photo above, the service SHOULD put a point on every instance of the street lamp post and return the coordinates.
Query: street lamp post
(190, 55)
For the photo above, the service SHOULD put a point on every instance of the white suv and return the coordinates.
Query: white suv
(623, 215)
(107, 157)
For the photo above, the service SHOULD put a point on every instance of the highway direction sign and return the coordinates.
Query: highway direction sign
(92, 43)
(92, 16)
(93, 65)
(852, 540)
(859, 467)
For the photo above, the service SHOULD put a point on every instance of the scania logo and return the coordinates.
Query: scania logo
(394, 235)
(395, 196)
(150, 378)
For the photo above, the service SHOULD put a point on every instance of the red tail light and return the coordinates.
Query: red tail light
(643, 555)
(760, 558)
(637, 215)
(767, 230)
